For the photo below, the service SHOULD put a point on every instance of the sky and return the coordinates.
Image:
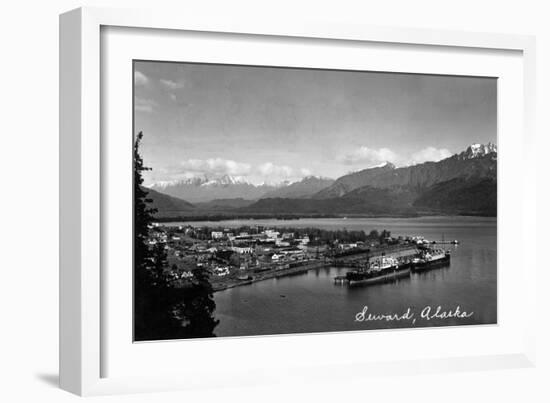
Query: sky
(269, 124)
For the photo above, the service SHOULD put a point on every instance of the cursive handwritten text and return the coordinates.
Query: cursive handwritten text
(428, 313)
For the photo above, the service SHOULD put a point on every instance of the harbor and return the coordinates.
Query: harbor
(236, 281)
(298, 303)
(251, 202)
(404, 255)
(384, 268)
(245, 255)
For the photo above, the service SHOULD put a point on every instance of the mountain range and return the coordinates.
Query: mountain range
(166, 203)
(465, 183)
(305, 188)
(205, 189)
(471, 163)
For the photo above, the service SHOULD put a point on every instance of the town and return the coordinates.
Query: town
(239, 256)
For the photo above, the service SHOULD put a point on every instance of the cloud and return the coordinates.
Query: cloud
(266, 172)
(369, 156)
(272, 173)
(173, 85)
(140, 78)
(215, 166)
(270, 169)
(144, 105)
(429, 154)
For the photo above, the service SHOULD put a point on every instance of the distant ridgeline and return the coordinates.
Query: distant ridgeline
(464, 183)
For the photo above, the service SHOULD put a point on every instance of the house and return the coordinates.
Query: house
(275, 257)
(216, 234)
(271, 234)
(347, 246)
(314, 249)
(281, 243)
(221, 271)
(242, 250)
(294, 253)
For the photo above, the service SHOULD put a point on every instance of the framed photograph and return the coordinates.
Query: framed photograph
(286, 199)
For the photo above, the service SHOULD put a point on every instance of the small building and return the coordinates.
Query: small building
(276, 258)
(271, 234)
(221, 271)
(314, 249)
(294, 253)
(242, 250)
(216, 234)
(347, 246)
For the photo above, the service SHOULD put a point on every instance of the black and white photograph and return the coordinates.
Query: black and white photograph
(213, 201)
(276, 200)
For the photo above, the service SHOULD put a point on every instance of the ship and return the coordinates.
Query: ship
(430, 258)
(379, 271)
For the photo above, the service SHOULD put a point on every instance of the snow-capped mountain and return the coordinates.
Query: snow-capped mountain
(223, 180)
(465, 183)
(478, 150)
(204, 189)
(477, 161)
(160, 185)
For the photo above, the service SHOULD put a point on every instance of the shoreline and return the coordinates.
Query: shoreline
(291, 218)
(313, 265)
(288, 223)
(271, 274)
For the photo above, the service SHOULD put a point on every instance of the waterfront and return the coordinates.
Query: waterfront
(311, 302)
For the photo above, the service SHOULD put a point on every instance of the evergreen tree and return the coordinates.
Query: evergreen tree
(143, 260)
(383, 235)
(198, 306)
(154, 299)
(160, 263)
(162, 311)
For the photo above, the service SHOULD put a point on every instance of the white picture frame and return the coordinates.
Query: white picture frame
(83, 342)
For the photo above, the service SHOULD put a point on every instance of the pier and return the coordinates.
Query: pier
(270, 274)
(454, 242)
(358, 260)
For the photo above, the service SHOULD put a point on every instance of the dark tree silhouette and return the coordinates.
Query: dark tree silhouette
(160, 263)
(198, 306)
(143, 258)
(161, 310)
(384, 235)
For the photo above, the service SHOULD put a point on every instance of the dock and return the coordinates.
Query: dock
(270, 274)
(358, 260)
(454, 242)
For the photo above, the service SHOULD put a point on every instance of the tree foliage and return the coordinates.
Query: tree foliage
(198, 306)
(161, 310)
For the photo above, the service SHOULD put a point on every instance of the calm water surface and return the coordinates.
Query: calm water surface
(311, 302)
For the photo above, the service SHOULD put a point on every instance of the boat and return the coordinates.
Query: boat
(431, 258)
(380, 271)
